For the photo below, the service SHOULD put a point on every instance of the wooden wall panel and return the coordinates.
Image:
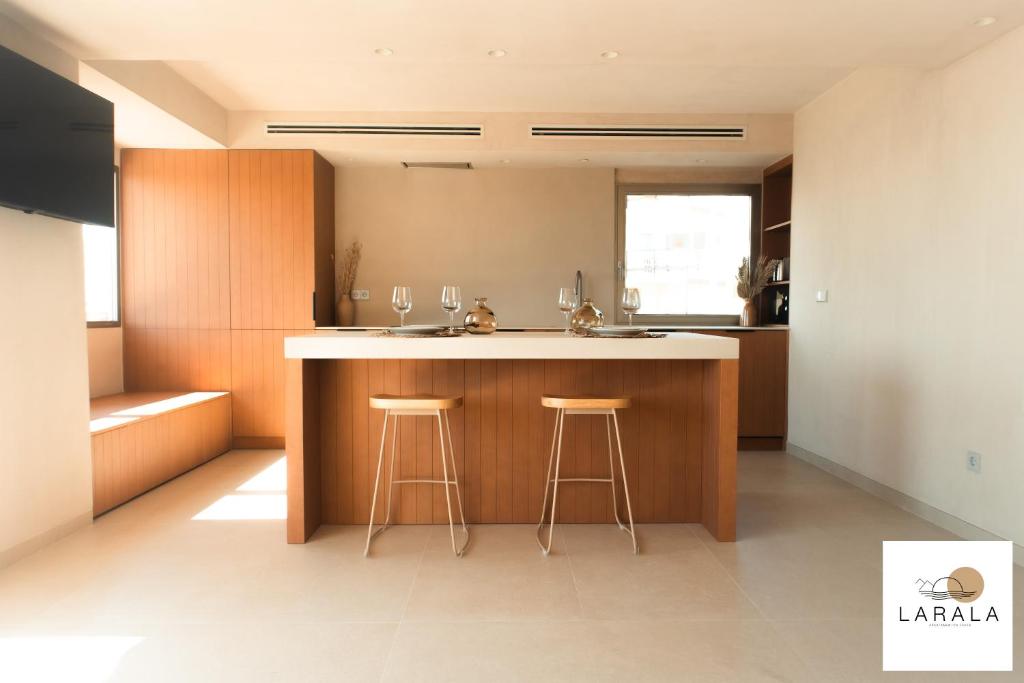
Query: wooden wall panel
(174, 239)
(131, 459)
(257, 381)
(177, 359)
(222, 250)
(503, 436)
(271, 208)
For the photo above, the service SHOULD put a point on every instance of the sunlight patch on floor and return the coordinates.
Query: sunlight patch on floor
(83, 659)
(272, 479)
(261, 497)
(257, 506)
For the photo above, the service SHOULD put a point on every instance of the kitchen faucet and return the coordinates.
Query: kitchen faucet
(579, 288)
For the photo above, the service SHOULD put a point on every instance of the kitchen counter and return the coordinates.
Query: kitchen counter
(508, 345)
(679, 437)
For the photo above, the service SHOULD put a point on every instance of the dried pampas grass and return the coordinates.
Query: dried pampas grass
(349, 267)
(751, 282)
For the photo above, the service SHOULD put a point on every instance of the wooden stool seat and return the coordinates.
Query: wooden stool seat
(585, 402)
(414, 402)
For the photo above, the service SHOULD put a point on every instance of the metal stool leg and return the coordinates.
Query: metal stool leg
(391, 469)
(553, 483)
(376, 482)
(611, 471)
(447, 488)
(455, 474)
(625, 483)
(547, 480)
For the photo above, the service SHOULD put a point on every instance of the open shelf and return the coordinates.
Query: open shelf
(776, 223)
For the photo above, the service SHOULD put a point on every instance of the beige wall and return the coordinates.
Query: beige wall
(908, 206)
(513, 235)
(45, 465)
(106, 364)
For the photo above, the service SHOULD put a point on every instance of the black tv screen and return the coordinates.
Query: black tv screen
(56, 144)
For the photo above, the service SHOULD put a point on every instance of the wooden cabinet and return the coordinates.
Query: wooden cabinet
(282, 239)
(764, 356)
(223, 252)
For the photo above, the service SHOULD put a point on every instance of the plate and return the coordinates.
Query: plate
(618, 331)
(417, 330)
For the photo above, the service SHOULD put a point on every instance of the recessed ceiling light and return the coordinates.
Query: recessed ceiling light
(496, 53)
(984, 21)
(609, 54)
(702, 161)
(584, 161)
(383, 52)
(506, 161)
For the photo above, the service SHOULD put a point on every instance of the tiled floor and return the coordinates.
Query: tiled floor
(194, 582)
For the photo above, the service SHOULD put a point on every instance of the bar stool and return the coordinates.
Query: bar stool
(424, 404)
(585, 405)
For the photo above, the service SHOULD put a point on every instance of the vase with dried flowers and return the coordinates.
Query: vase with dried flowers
(749, 283)
(346, 280)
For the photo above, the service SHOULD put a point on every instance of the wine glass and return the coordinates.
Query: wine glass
(451, 301)
(630, 302)
(567, 304)
(401, 301)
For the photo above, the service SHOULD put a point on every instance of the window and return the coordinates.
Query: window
(102, 272)
(681, 246)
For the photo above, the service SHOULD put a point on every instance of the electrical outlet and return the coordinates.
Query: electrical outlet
(360, 295)
(974, 462)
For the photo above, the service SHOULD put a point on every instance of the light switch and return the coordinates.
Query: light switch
(821, 296)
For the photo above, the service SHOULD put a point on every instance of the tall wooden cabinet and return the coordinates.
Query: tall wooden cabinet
(225, 252)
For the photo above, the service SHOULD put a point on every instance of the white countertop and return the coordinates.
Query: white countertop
(508, 345)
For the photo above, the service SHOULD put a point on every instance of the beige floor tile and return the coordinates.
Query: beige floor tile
(674, 576)
(503, 576)
(850, 651)
(592, 651)
(149, 592)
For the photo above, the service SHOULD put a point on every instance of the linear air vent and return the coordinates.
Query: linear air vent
(373, 129)
(456, 165)
(661, 132)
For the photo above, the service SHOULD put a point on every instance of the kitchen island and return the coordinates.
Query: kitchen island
(679, 438)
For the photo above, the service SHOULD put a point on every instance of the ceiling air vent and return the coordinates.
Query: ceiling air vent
(457, 165)
(657, 132)
(462, 130)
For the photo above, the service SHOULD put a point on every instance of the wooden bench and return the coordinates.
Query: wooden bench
(141, 440)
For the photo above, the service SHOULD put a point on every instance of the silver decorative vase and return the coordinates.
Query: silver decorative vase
(480, 319)
(587, 316)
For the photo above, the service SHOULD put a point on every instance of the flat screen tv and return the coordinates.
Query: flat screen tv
(56, 144)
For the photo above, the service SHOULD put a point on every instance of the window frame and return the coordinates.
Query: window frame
(117, 247)
(752, 190)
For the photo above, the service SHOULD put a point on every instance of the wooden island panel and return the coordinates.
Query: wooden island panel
(679, 458)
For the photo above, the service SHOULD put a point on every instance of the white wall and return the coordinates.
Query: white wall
(45, 463)
(909, 207)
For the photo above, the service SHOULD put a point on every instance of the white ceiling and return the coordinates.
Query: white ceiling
(677, 56)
